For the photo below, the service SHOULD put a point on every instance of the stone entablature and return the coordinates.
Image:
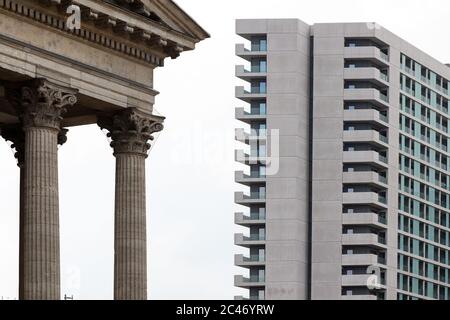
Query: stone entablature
(103, 24)
(116, 51)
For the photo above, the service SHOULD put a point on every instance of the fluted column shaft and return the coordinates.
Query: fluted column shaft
(130, 239)
(130, 132)
(41, 216)
(40, 105)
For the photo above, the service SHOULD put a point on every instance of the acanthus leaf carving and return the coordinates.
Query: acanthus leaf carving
(43, 104)
(131, 130)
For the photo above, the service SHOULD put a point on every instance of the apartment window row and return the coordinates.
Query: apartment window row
(423, 249)
(422, 288)
(423, 230)
(423, 191)
(424, 172)
(423, 93)
(424, 211)
(422, 112)
(425, 153)
(424, 133)
(423, 269)
(424, 74)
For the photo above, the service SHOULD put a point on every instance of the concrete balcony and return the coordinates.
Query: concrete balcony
(246, 221)
(245, 200)
(365, 177)
(242, 282)
(247, 96)
(246, 137)
(366, 95)
(366, 53)
(355, 280)
(246, 262)
(372, 157)
(359, 260)
(364, 219)
(366, 136)
(364, 198)
(247, 242)
(359, 297)
(363, 239)
(244, 158)
(248, 75)
(248, 180)
(370, 74)
(247, 54)
(246, 117)
(371, 116)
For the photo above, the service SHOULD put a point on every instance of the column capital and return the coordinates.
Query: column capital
(131, 130)
(41, 103)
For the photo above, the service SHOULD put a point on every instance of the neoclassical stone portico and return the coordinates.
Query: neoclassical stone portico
(51, 79)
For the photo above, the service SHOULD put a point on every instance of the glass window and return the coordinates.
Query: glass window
(262, 108)
(262, 171)
(262, 87)
(263, 45)
(263, 66)
(262, 151)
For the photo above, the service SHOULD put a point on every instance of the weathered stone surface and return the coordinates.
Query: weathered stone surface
(130, 132)
(40, 108)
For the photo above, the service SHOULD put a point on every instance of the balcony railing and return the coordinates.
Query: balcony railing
(409, 91)
(255, 216)
(384, 56)
(383, 179)
(425, 79)
(257, 69)
(255, 258)
(258, 47)
(381, 260)
(384, 139)
(382, 219)
(384, 97)
(256, 237)
(256, 195)
(409, 70)
(425, 99)
(384, 118)
(382, 239)
(441, 127)
(258, 90)
(255, 279)
(425, 138)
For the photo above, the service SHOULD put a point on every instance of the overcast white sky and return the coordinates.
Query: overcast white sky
(190, 170)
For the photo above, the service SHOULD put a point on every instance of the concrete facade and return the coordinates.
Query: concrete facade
(346, 99)
(101, 73)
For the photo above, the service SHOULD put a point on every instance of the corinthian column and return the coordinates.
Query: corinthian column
(41, 106)
(130, 132)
